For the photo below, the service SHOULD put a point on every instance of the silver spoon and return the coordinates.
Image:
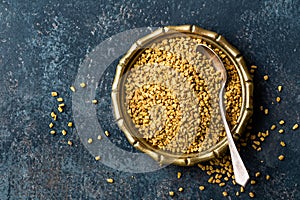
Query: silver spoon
(239, 169)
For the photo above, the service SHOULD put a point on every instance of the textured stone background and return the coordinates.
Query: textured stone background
(42, 44)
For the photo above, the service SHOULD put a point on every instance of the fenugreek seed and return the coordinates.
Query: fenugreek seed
(282, 143)
(171, 193)
(180, 189)
(258, 149)
(237, 193)
(253, 67)
(210, 180)
(72, 88)
(273, 127)
(262, 139)
(94, 101)
(256, 142)
(266, 111)
(64, 132)
(281, 157)
(52, 132)
(90, 141)
(53, 115)
(279, 88)
(242, 189)
(225, 194)
(83, 85)
(201, 187)
(218, 181)
(251, 194)
(60, 109)
(54, 94)
(61, 105)
(295, 127)
(266, 77)
(222, 184)
(60, 99)
(252, 182)
(281, 131)
(281, 122)
(226, 178)
(178, 175)
(99, 137)
(278, 99)
(110, 180)
(70, 143)
(107, 133)
(70, 124)
(97, 158)
(268, 177)
(261, 108)
(51, 125)
(257, 174)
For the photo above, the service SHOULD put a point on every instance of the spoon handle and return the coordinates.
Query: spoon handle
(240, 172)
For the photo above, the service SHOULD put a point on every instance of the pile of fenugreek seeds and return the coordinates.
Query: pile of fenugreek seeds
(170, 77)
(172, 96)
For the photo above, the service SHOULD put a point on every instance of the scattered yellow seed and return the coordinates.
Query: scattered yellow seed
(70, 143)
(83, 85)
(94, 101)
(225, 194)
(90, 140)
(266, 77)
(257, 174)
(273, 127)
(242, 189)
(51, 125)
(251, 194)
(201, 187)
(281, 122)
(281, 157)
(253, 67)
(70, 124)
(266, 111)
(64, 132)
(278, 99)
(60, 109)
(61, 105)
(281, 131)
(262, 139)
(54, 94)
(210, 180)
(279, 88)
(52, 132)
(258, 149)
(252, 182)
(268, 177)
(178, 175)
(97, 158)
(99, 137)
(53, 115)
(282, 143)
(72, 88)
(107, 133)
(171, 193)
(261, 108)
(256, 142)
(59, 99)
(110, 180)
(237, 193)
(180, 189)
(296, 126)
(252, 71)
(222, 184)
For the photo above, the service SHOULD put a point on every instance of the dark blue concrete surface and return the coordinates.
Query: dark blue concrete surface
(42, 44)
